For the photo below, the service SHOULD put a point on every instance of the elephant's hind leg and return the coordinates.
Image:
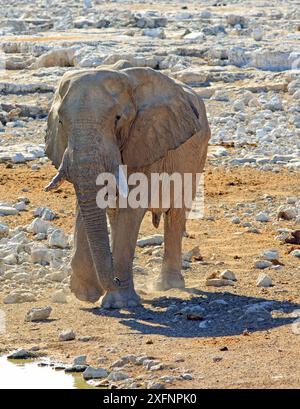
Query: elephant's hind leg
(171, 277)
(84, 282)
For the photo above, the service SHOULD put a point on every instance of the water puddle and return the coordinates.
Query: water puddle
(26, 374)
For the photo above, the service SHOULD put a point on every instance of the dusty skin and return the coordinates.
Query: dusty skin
(265, 356)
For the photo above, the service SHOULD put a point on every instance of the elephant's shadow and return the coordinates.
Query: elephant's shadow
(235, 315)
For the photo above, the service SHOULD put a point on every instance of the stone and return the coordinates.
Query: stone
(155, 385)
(295, 253)
(192, 255)
(186, 376)
(94, 373)
(18, 297)
(228, 275)
(192, 312)
(264, 280)
(4, 230)
(233, 20)
(60, 57)
(191, 76)
(20, 206)
(155, 240)
(39, 226)
(258, 33)
(218, 282)
(270, 255)
(236, 220)
(21, 354)
(195, 36)
(75, 368)
(286, 213)
(262, 264)
(45, 213)
(41, 255)
(117, 376)
(67, 335)
(118, 363)
(38, 314)
(8, 210)
(79, 360)
(155, 32)
(84, 338)
(262, 217)
(58, 239)
(58, 276)
(59, 297)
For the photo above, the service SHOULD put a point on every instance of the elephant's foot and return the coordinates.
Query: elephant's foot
(121, 298)
(166, 281)
(85, 290)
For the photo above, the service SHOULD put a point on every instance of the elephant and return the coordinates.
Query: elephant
(138, 117)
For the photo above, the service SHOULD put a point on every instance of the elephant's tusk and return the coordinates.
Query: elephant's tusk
(122, 182)
(58, 180)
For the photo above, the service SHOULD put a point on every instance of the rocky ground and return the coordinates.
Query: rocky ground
(237, 322)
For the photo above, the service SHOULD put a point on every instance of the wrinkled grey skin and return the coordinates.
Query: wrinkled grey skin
(103, 118)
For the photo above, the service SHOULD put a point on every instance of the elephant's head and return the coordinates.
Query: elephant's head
(100, 119)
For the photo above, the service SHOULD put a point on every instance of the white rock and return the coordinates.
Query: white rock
(94, 373)
(18, 158)
(154, 32)
(296, 253)
(193, 253)
(4, 230)
(19, 296)
(58, 276)
(262, 217)
(156, 239)
(20, 206)
(59, 297)
(261, 264)
(264, 280)
(236, 220)
(41, 255)
(61, 57)
(195, 35)
(38, 314)
(67, 335)
(79, 360)
(270, 255)
(228, 275)
(291, 200)
(8, 211)
(117, 376)
(11, 259)
(45, 213)
(218, 282)
(39, 226)
(58, 238)
(191, 76)
(21, 354)
(258, 33)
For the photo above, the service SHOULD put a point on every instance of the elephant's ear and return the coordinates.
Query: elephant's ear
(166, 117)
(55, 139)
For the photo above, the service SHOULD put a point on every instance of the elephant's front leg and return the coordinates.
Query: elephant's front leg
(125, 224)
(84, 281)
(171, 277)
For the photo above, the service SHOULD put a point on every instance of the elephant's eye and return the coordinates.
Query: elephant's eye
(118, 117)
(60, 122)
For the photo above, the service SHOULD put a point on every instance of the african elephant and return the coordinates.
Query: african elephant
(138, 117)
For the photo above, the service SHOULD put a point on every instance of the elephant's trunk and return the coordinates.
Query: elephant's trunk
(97, 234)
(83, 173)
